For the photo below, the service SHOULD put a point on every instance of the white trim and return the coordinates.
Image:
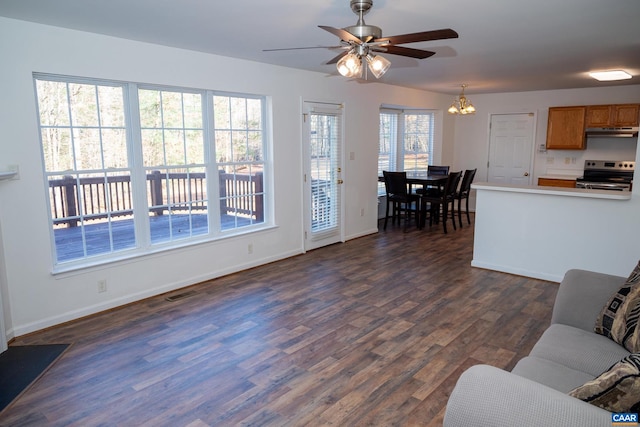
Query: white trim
(516, 271)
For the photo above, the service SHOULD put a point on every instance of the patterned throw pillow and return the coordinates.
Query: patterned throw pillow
(615, 390)
(619, 317)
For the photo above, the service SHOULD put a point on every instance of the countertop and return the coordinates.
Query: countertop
(556, 191)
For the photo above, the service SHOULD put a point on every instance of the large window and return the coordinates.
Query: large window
(131, 168)
(406, 141)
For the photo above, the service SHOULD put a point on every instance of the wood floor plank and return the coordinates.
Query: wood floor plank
(371, 332)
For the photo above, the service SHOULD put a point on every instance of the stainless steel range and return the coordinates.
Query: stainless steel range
(616, 175)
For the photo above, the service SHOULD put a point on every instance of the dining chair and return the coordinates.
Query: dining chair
(463, 193)
(439, 204)
(435, 170)
(399, 197)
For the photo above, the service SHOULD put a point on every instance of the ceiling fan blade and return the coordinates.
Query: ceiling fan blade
(405, 51)
(338, 58)
(343, 34)
(423, 36)
(301, 48)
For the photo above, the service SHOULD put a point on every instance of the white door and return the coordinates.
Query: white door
(511, 148)
(322, 150)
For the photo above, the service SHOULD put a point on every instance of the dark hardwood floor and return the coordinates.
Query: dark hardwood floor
(374, 331)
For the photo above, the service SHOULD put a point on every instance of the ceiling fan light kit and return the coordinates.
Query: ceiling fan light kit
(462, 105)
(350, 65)
(378, 65)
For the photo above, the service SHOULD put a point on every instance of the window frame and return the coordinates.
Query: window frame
(397, 143)
(135, 164)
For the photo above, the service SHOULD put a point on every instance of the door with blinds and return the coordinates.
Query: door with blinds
(322, 151)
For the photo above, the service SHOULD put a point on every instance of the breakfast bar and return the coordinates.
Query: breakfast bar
(542, 232)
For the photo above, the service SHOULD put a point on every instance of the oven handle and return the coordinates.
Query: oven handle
(603, 186)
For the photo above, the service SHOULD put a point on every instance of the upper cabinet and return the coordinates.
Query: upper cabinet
(625, 115)
(612, 115)
(565, 129)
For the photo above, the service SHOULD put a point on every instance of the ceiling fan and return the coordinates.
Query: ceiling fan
(363, 41)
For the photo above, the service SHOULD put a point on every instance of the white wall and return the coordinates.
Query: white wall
(33, 297)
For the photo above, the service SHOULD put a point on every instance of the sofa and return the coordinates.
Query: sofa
(568, 354)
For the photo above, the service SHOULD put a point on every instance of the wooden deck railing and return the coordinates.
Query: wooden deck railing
(240, 194)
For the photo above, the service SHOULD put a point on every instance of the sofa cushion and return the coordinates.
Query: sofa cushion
(619, 317)
(578, 349)
(617, 389)
(551, 374)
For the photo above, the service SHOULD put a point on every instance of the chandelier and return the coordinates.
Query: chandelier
(462, 105)
(351, 65)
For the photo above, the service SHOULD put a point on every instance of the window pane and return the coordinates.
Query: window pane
(241, 196)
(224, 152)
(174, 147)
(254, 147)
(172, 110)
(192, 110)
(176, 194)
(57, 148)
(239, 146)
(254, 114)
(84, 108)
(87, 147)
(114, 148)
(221, 110)
(150, 116)
(194, 141)
(152, 147)
(90, 205)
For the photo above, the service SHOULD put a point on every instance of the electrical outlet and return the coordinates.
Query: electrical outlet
(102, 286)
(362, 212)
(250, 248)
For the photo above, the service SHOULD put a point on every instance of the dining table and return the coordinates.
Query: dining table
(425, 180)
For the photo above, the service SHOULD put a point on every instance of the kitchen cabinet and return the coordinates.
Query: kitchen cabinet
(557, 182)
(565, 128)
(612, 115)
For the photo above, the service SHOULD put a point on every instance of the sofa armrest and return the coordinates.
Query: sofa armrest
(582, 295)
(486, 396)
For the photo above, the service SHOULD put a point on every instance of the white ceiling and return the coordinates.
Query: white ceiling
(504, 45)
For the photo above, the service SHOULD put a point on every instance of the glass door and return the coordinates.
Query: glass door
(322, 137)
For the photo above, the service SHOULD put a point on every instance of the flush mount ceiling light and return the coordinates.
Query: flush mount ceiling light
(462, 105)
(610, 75)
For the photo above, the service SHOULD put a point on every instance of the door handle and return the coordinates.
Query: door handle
(340, 181)
(526, 174)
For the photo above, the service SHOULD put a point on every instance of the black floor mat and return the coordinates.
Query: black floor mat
(20, 366)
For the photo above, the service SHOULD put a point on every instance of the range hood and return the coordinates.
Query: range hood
(611, 132)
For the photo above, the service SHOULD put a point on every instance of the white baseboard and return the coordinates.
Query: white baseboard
(517, 271)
